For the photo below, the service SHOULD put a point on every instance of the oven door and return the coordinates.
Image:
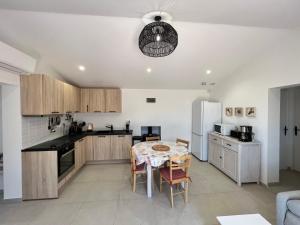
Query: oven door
(66, 163)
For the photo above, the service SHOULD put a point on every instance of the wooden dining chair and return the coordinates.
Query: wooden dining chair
(136, 170)
(183, 142)
(154, 138)
(176, 174)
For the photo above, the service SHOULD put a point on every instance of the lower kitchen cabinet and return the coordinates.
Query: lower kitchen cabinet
(80, 157)
(111, 147)
(230, 162)
(120, 146)
(39, 175)
(238, 160)
(101, 147)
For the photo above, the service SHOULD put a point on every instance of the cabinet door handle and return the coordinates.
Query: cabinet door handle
(112, 111)
(97, 111)
(101, 136)
(121, 135)
(228, 144)
(215, 139)
(87, 108)
(221, 157)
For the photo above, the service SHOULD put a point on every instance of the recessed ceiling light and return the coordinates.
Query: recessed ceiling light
(208, 71)
(81, 68)
(149, 70)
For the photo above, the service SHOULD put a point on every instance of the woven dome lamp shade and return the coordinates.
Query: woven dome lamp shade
(158, 39)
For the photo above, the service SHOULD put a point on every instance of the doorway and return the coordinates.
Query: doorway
(289, 174)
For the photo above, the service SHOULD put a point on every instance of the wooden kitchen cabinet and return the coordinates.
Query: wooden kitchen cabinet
(41, 95)
(120, 146)
(238, 160)
(71, 98)
(101, 147)
(85, 100)
(230, 162)
(80, 157)
(39, 175)
(113, 100)
(53, 96)
(92, 100)
(89, 150)
(96, 100)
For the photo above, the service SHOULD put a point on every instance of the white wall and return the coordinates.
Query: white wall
(172, 111)
(12, 120)
(12, 141)
(250, 87)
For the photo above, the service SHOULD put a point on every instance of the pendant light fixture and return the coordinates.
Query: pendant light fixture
(158, 38)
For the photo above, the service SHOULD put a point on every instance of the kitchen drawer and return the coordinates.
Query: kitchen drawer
(215, 139)
(231, 145)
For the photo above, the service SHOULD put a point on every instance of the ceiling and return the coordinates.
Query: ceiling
(108, 46)
(261, 13)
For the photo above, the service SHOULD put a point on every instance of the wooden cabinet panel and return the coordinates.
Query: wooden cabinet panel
(120, 146)
(89, 150)
(97, 100)
(85, 100)
(217, 155)
(83, 149)
(101, 147)
(32, 95)
(67, 98)
(77, 99)
(39, 172)
(53, 95)
(230, 163)
(71, 98)
(77, 155)
(113, 100)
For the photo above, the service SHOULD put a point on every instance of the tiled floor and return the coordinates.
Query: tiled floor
(101, 194)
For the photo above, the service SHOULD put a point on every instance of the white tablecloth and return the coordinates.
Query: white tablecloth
(145, 153)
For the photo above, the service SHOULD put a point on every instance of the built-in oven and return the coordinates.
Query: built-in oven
(66, 159)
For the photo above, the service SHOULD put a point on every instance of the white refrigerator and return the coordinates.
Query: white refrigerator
(204, 115)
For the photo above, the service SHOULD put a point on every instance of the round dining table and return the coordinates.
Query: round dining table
(152, 158)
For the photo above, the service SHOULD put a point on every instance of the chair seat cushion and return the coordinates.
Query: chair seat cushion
(176, 174)
(140, 167)
(294, 207)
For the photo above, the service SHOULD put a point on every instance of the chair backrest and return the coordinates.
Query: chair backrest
(133, 159)
(183, 142)
(154, 138)
(180, 162)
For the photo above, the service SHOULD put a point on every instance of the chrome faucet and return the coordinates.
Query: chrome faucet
(111, 127)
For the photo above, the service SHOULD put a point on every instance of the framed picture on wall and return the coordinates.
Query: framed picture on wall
(251, 112)
(229, 111)
(239, 111)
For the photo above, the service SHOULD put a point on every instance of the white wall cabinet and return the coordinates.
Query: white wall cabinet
(238, 160)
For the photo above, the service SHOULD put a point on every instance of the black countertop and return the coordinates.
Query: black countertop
(55, 144)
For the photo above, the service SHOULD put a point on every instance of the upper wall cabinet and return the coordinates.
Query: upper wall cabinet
(113, 101)
(41, 95)
(101, 100)
(71, 98)
(97, 100)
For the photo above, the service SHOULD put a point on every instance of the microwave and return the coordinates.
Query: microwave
(224, 129)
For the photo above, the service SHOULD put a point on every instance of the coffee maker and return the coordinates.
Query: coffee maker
(245, 133)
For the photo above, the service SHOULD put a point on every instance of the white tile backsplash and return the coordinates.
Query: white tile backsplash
(35, 130)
